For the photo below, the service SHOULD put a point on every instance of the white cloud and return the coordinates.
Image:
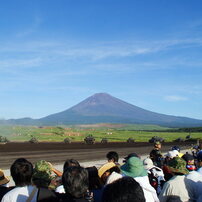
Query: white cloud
(175, 98)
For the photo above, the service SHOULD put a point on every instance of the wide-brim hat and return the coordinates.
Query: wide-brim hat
(134, 168)
(105, 168)
(178, 165)
(42, 170)
(3, 178)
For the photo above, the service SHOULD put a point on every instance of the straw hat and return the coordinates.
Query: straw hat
(3, 178)
(105, 167)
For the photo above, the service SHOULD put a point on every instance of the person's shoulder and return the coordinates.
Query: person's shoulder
(194, 176)
(44, 194)
(10, 195)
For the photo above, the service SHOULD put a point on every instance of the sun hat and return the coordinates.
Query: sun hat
(148, 163)
(134, 168)
(42, 173)
(177, 165)
(3, 178)
(105, 167)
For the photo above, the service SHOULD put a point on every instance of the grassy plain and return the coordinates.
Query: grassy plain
(113, 132)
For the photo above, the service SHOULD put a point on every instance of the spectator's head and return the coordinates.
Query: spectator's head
(105, 171)
(42, 175)
(3, 179)
(177, 166)
(176, 148)
(134, 168)
(157, 145)
(21, 172)
(94, 181)
(199, 159)
(148, 164)
(125, 189)
(112, 156)
(190, 161)
(171, 154)
(129, 156)
(75, 181)
(70, 163)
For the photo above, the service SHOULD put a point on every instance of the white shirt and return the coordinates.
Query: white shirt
(178, 188)
(149, 192)
(20, 194)
(196, 177)
(60, 189)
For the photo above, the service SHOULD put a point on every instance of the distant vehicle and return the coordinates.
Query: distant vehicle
(33, 140)
(130, 140)
(104, 141)
(67, 140)
(89, 139)
(179, 140)
(156, 139)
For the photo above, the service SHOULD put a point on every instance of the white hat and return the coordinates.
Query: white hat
(113, 177)
(172, 154)
(176, 152)
(148, 163)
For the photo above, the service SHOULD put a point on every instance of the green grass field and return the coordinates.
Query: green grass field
(113, 134)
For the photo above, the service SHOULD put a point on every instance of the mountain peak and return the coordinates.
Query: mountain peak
(101, 95)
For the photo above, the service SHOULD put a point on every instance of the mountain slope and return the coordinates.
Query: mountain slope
(104, 108)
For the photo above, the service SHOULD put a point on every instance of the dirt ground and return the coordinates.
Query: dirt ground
(57, 153)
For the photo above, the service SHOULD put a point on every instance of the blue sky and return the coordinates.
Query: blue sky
(55, 53)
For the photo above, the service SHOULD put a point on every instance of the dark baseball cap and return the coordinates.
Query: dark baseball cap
(129, 156)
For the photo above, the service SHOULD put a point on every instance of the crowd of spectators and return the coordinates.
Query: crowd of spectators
(173, 177)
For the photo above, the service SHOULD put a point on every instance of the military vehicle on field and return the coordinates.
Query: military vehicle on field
(156, 139)
(89, 139)
(67, 140)
(104, 141)
(130, 140)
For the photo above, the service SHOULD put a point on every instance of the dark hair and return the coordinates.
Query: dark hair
(70, 163)
(125, 189)
(94, 180)
(114, 169)
(75, 181)
(112, 155)
(21, 172)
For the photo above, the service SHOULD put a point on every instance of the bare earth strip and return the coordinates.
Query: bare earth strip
(57, 153)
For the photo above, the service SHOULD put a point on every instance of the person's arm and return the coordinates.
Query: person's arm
(57, 172)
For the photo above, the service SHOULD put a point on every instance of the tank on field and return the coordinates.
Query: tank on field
(104, 141)
(33, 140)
(130, 140)
(89, 139)
(67, 140)
(3, 139)
(179, 140)
(156, 139)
